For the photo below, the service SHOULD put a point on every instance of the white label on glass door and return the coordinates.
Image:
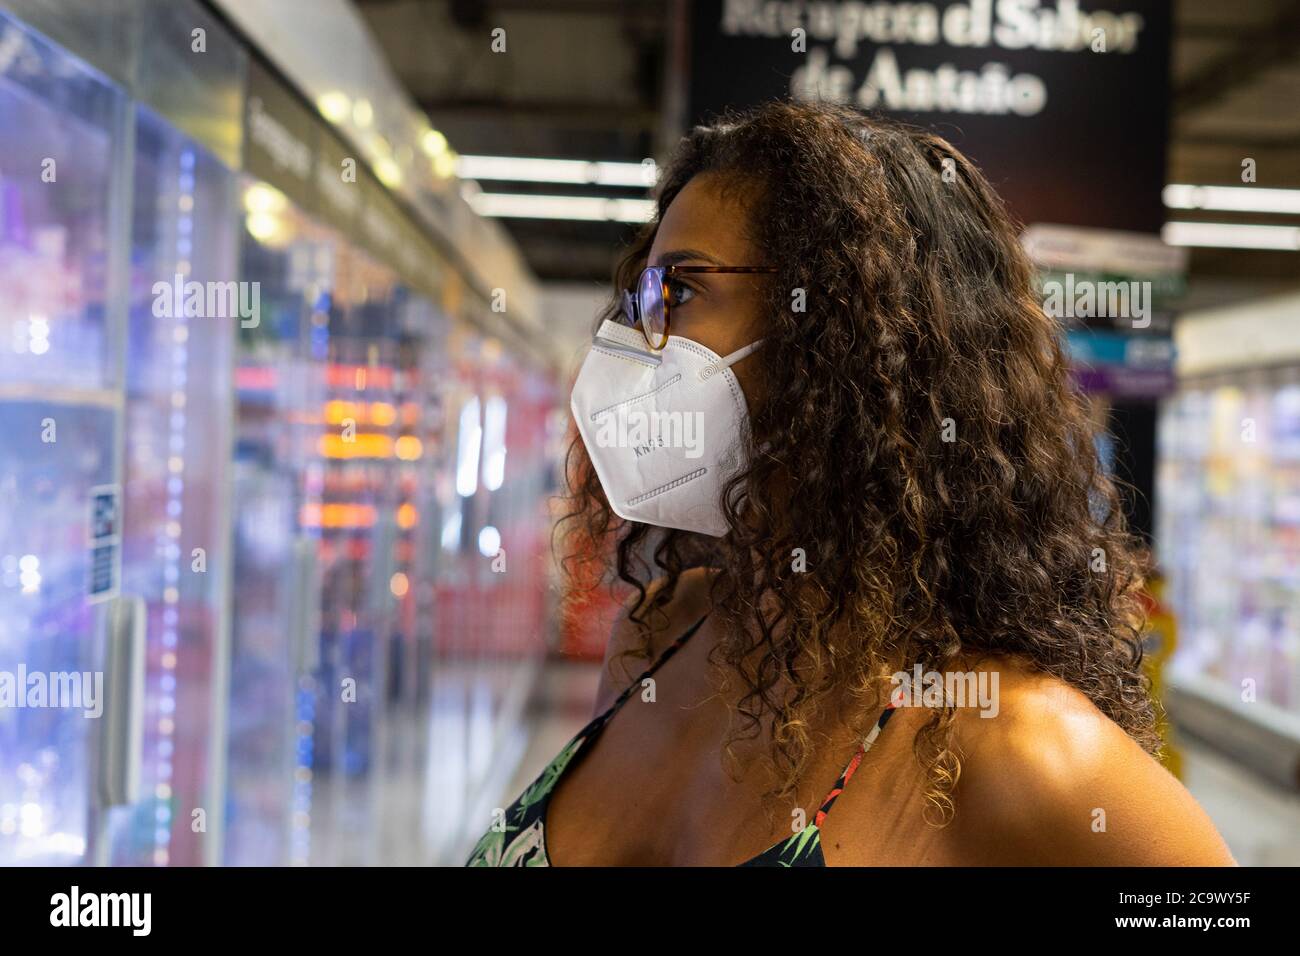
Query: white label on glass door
(105, 543)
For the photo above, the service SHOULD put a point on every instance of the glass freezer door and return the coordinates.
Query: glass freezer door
(60, 410)
(275, 615)
(175, 479)
(114, 470)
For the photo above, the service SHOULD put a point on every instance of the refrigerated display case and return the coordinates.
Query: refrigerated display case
(280, 388)
(175, 473)
(494, 593)
(312, 608)
(419, 462)
(351, 394)
(331, 458)
(250, 515)
(356, 525)
(116, 206)
(60, 408)
(1229, 532)
(1229, 541)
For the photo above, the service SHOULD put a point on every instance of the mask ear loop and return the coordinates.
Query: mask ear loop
(740, 353)
(729, 360)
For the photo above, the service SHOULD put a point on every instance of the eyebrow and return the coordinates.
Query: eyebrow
(677, 256)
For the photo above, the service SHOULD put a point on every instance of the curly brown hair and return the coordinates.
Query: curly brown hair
(920, 439)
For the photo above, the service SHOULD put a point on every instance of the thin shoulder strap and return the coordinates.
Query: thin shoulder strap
(668, 652)
(863, 747)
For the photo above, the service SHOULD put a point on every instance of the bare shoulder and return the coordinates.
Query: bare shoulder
(689, 603)
(1048, 779)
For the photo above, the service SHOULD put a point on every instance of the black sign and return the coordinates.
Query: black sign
(1062, 103)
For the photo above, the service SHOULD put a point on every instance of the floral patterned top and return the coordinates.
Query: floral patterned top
(519, 838)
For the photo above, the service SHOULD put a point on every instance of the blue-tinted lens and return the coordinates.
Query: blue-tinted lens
(650, 305)
(628, 315)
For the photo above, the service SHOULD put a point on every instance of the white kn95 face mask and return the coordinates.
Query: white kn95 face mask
(664, 430)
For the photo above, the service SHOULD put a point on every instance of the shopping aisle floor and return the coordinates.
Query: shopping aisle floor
(1260, 822)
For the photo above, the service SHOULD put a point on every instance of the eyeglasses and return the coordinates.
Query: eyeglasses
(648, 307)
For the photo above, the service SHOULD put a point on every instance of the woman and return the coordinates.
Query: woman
(858, 463)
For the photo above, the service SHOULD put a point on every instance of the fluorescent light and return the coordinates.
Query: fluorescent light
(389, 173)
(433, 143)
(489, 541)
(494, 443)
(1227, 235)
(643, 173)
(523, 170)
(577, 171)
(1232, 198)
(469, 442)
(444, 164)
(592, 208)
(334, 106)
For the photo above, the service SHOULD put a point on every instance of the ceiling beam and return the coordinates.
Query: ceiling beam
(1251, 55)
(1237, 140)
(576, 113)
(631, 10)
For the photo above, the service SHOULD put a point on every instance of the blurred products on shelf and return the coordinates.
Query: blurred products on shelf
(1228, 532)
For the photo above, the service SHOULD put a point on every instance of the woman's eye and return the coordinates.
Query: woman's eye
(676, 290)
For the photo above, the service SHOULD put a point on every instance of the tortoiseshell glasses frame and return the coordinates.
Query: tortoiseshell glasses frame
(649, 308)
